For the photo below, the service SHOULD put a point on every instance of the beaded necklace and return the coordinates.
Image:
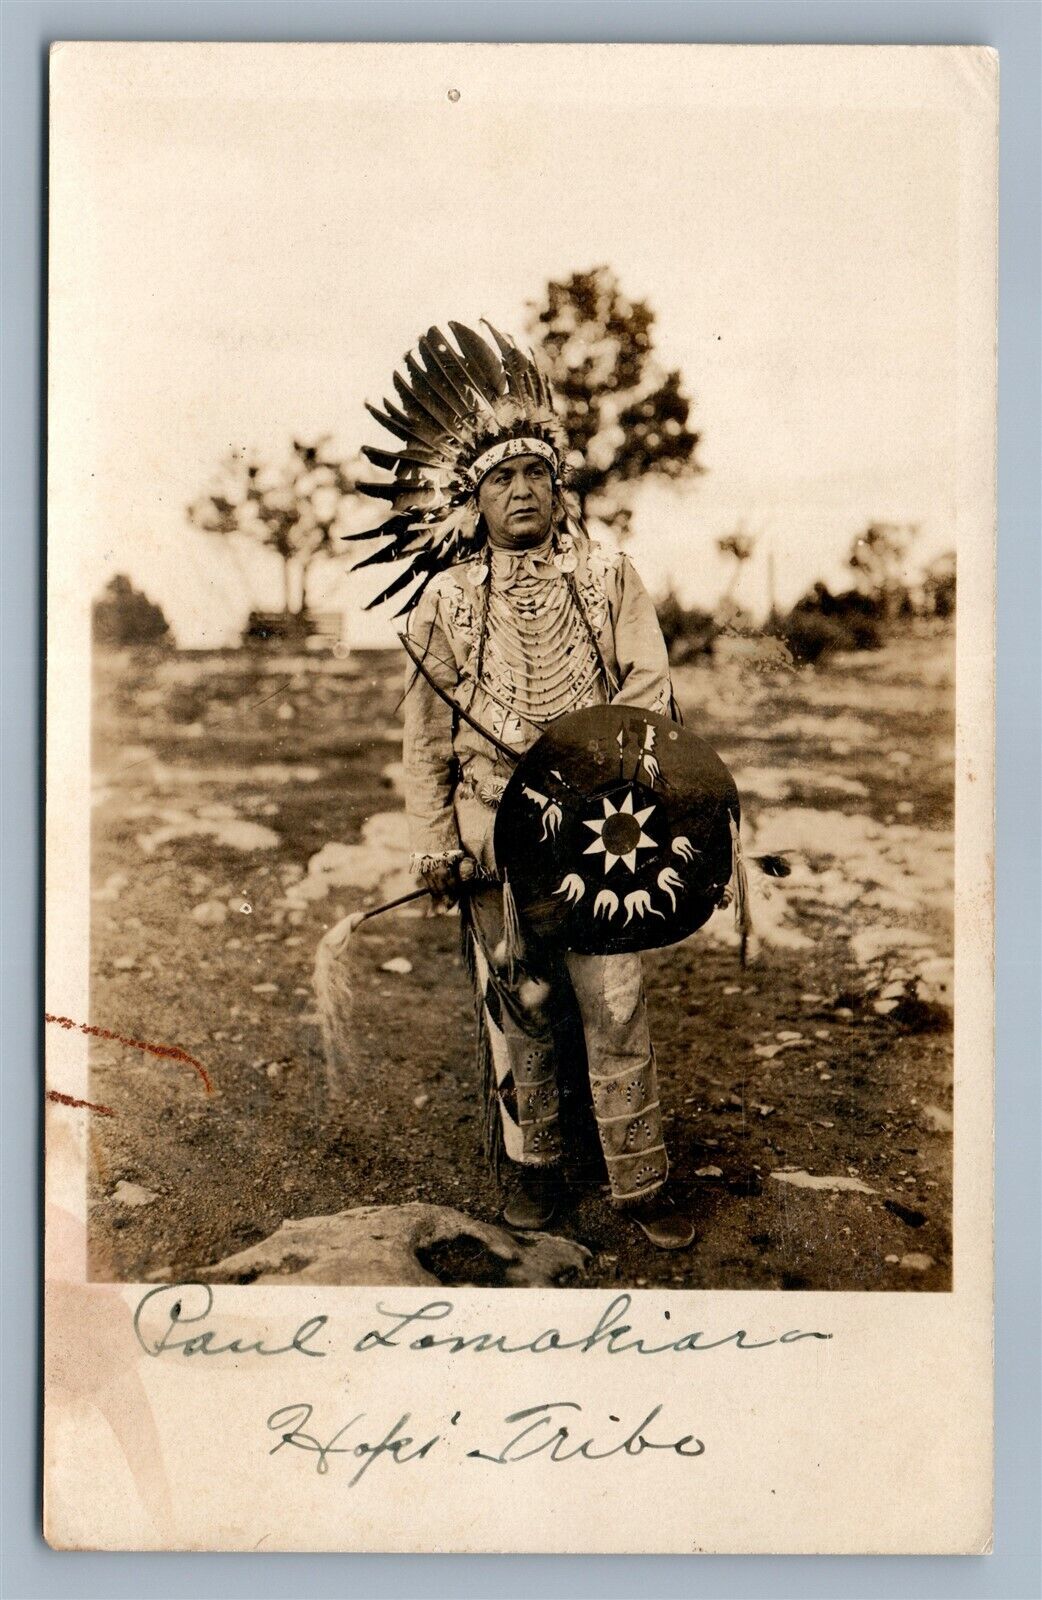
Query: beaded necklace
(537, 649)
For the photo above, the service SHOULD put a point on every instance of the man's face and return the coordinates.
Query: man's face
(516, 501)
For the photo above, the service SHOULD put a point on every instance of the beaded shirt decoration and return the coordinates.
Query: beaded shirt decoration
(537, 652)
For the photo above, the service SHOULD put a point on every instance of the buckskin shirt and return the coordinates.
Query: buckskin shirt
(519, 638)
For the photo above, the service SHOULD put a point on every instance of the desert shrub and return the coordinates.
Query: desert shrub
(122, 615)
(823, 623)
(687, 630)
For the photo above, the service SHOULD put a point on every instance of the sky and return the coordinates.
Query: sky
(248, 242)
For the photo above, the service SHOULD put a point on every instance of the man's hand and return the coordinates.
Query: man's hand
(444, 880)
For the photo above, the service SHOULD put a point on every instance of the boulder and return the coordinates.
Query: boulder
(415, 1244)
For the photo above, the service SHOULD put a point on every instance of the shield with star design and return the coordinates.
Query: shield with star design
(615, 831)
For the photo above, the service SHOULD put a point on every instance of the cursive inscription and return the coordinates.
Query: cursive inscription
(609, 1333)
(555, 1429)
(172, 1307)
(290, 1423)
(552, 1429)
(165, 1313)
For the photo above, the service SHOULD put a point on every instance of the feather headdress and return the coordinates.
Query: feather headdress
(461, 412)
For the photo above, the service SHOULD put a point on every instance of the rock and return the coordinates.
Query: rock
(708, 1172)
(387, 830)
(788, 1037)
(904, 808)
(331, 857)
(210, 913)
(766, 1111)
(394, 774)
(421, 1100)
(380, 861)
(935, 982)
(733, 988)
(396, 964)
(273, 1069)
(132, 1194)
(310, 888)
(133, 755)
(112, 888)
(125, 963)
(767, 1052)
(938, 1119)
(841, 859)
(871, 944)
(414, 1244)
(285, 713)
(232, 832)
(900, 758)
(245, 836)
(916, 1261)
(217, 810)
(281, 772)
(892, 1260)
(808, 1180)
(265, 988)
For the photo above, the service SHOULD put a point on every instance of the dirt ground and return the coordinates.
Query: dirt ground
(221, 777)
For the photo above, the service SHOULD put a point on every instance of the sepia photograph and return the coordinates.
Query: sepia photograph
(522, 584)
(518, 1003)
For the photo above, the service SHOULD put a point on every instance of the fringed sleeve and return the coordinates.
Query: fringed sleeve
(429, 765)
(640, 649)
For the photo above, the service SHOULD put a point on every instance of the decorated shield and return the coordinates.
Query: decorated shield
(615, 831)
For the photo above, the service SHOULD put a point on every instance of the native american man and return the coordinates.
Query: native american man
(517, 617)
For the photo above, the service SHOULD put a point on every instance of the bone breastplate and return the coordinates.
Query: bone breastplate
(539, 658)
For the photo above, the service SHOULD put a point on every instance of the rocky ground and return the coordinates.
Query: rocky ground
(245, 802)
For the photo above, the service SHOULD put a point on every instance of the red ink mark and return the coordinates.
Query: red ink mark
(168, 1052)
(87, 1105)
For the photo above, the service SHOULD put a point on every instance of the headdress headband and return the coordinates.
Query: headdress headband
(463, 409)
(506, 450)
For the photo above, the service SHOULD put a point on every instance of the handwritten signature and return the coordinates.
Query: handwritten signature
(189, 1304)
(172, 1305)
(608, 1332)
(543, 1432)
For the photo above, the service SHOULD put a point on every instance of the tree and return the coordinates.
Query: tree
(939, 586)
(122, 615)
(879, 558)
(740, 546)
(289, 507)
(624, 413)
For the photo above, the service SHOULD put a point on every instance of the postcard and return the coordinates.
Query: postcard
(519, 917)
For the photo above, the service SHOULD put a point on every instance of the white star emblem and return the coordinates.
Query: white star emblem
(620, 833)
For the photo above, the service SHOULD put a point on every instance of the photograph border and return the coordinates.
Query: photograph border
(1013, 28)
